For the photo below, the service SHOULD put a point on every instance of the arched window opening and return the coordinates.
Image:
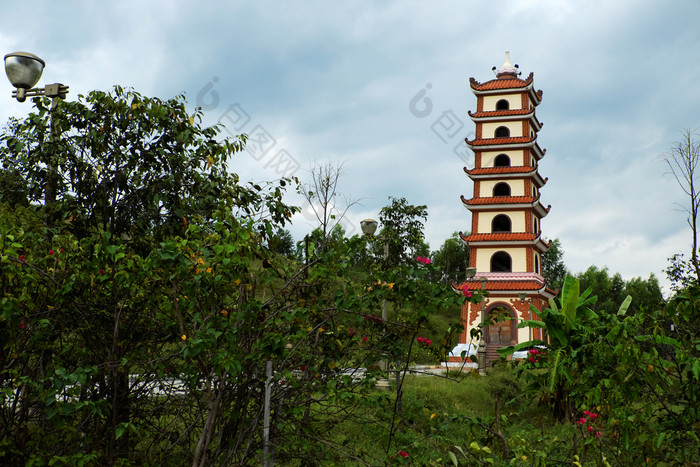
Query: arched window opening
(537, 263)
(534, 192)
(501, 160)
(503, 104)
(501, 223)
(536, 225)
(501, 189)
(501, 262)
(502, 132)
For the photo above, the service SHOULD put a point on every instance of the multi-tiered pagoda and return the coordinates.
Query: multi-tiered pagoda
(506, 240)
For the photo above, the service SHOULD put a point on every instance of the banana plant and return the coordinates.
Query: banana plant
(567, 323)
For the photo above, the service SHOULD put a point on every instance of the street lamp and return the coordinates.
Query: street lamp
(369, 227)
(481, 351)
(24, 71)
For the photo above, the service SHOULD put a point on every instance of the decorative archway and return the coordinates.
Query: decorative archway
(504, 332)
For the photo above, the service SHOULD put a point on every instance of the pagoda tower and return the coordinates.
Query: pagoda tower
(505, 241)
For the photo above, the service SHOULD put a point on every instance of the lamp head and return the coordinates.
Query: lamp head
(522, 296)
(369, 226)
(23, 69)
(471, 272)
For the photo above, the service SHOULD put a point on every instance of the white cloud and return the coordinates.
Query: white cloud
(334, 80)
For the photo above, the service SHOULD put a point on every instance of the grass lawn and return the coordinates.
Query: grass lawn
(443, 415)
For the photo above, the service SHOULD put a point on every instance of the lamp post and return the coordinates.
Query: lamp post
(24, 71)
(481, 351)
(369, 227)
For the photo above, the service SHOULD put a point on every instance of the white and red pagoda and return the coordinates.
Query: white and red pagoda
(506, 240)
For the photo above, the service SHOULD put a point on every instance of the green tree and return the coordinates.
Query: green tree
(282, 243)
(629, 380)
(402, 231)
(452, 260)
(126, 164)
(553, 269)
(148, 341)
(609, 290)
(646, 294)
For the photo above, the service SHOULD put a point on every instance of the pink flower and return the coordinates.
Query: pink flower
(466, 292)
(427, 260)
(21, 325)
(586, 412)
(419, 259)
(590, 428)
(21, 258)
(403, 454)
(582, 420)
(598, 434)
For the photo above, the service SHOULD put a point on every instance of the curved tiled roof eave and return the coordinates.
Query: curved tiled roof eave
(500, 84)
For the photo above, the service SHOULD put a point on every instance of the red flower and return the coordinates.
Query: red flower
(302, 368)
(102, 271)
(582, 420)
(466, 292)
(21, 258)
(590, 428)
(364, 339)
(61, 250)
(21, 325)
(351, 332)
(51, 252)
(403, 454)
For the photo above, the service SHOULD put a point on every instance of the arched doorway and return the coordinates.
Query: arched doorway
(502, 332)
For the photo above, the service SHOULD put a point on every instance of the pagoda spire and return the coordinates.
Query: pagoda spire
(507, 70)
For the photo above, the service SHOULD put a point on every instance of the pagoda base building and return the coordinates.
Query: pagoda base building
(505, 242)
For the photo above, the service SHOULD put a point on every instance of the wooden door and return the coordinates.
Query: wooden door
(500, 333)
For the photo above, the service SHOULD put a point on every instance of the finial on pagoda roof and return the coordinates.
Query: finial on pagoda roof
(507, 70)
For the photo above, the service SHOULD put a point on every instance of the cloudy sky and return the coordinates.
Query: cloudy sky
(383, 87)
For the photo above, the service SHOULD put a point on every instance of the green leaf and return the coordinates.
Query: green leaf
(624, 306)
(453, 458)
